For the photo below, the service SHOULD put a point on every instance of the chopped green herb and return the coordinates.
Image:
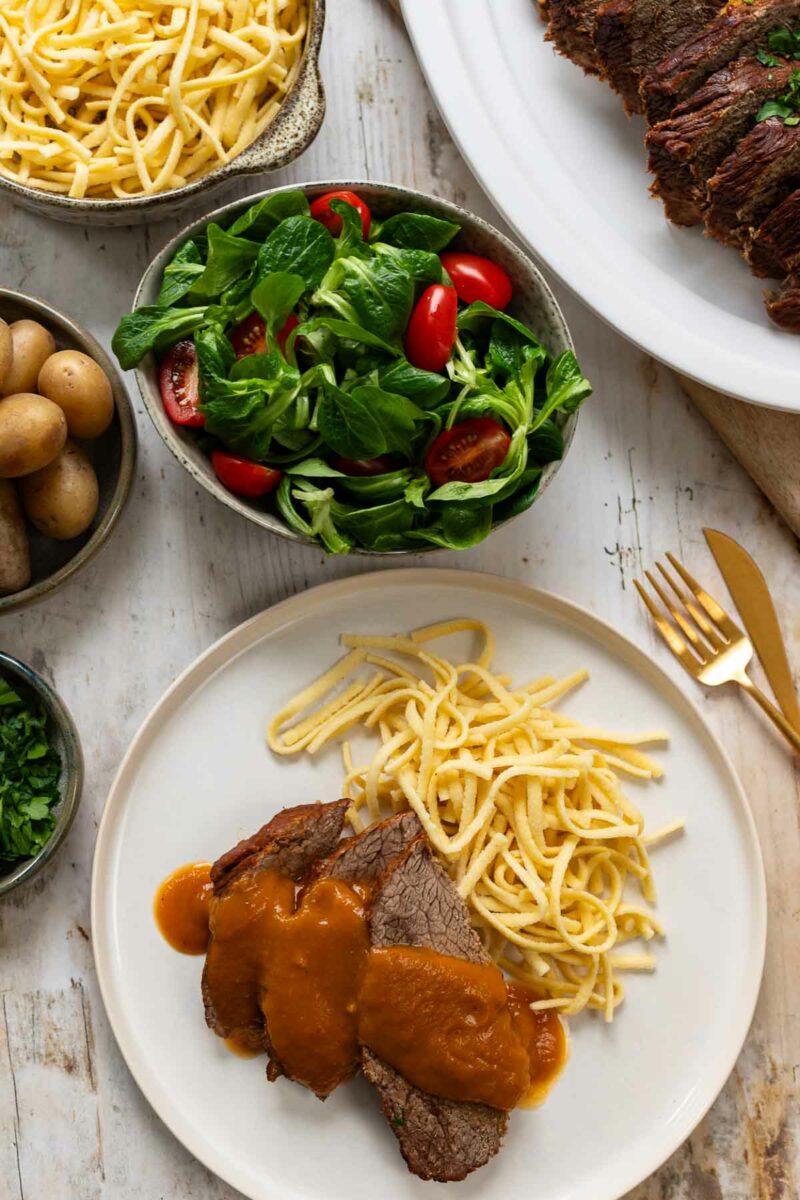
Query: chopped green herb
(398, 1121)
(787, 106)
(30, 769)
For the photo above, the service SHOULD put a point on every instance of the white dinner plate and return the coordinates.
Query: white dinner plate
(558, 157)
(198, 776)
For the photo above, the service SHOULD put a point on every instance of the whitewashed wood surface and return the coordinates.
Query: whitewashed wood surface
(645, 474)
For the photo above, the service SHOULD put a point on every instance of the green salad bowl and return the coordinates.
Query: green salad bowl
(63, 735)
(533, 303)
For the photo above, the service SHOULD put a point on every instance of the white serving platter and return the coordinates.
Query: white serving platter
(564, 165)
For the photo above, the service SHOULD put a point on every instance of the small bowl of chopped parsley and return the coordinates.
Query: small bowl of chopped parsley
(41, 773)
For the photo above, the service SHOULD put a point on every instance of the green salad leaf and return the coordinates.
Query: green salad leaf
(340, 391)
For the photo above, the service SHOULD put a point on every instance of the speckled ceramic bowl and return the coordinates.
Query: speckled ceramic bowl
(113, 457)
(533, 303)
(286, 137)
(64, 736)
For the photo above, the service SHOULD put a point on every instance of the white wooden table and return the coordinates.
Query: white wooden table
(645, 474)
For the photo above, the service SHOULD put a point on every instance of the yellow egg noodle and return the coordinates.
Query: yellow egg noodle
(523, 805)
(119, 98)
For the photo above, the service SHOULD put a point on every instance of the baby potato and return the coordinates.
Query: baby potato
(81, 388)
(15, 555)
(31, 344)
(32, 431)
(6, 352)
(61, 499)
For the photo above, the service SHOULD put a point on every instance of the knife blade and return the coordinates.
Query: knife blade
(751, 595)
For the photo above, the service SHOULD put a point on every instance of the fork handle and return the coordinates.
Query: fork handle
(775, 715)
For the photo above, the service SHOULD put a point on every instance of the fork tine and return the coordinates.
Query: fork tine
(697, 645)
(670, 636)
(711, 634)
(730, 629)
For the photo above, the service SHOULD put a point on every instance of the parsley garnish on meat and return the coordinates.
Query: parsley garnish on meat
(29, 773)
(787, 106)
(783, 44)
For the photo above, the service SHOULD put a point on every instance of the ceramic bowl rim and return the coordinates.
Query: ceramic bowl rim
(72, 771)
(458, 214)
(41, 310)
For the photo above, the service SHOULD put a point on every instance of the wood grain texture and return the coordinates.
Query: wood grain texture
(646, 473)
(766, 443)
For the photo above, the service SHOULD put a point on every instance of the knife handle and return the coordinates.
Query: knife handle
(775, 715)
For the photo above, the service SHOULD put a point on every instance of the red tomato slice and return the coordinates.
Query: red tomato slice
(476, 278)
(179, 380)
(431, 331)
(242, 476)
(249, 336)
(467, 453)
(364, 467)
(321, 211)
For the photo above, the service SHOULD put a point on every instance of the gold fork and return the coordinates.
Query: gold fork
(717, 651)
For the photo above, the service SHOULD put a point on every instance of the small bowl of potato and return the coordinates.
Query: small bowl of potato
(67, 448)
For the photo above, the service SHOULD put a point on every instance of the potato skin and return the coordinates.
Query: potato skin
(15, 555)
(31, 344)
(32, 432)
(61, 500)
(6, 352)
(81, 388)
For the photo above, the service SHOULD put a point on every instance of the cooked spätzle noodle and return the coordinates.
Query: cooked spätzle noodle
(119, 98)
(523, 805)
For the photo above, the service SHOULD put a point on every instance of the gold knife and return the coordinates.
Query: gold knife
(751, 596)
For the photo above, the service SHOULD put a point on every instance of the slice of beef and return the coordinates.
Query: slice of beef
(290, 844)
(686, 149)
(774, 248)
(737, 28)
(784, 307)
(415, 904)
(762, 170)
(357, 860)
(571, 30)
(631, 36)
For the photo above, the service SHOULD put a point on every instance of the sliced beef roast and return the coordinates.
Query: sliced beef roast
(290, 843)
(774, 248)
(761, 171)
(356, 860)
(784, 306)
(686, 149)
(631, 36)
(572, 24)
(738, 27)
(415, 904)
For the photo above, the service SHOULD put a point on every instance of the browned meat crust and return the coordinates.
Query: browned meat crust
(774, 248)
(415, 904)
(756, 176)
(784, 306)
(686, 149)
(738, 27)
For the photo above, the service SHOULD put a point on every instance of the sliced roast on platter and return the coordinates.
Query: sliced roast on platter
(720, 88)
(690, 144)
(755, 177)
(634, 35)
(739, 27)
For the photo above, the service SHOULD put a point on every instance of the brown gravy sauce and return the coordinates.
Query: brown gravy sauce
(302, 961)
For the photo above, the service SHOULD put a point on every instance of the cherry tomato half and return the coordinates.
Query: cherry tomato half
(250, 335)
(431, 332)
(364, 467)
(477, 278)
(179, 380)
(242, 476)
(467, 453)
(321, 211)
